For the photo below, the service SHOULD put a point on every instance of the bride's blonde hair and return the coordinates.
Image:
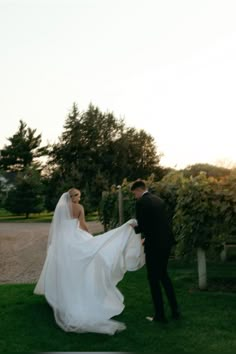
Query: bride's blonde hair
(73, 191)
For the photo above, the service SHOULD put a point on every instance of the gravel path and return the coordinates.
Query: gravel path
(23, 250)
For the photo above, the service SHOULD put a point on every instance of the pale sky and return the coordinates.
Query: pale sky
(165, 66)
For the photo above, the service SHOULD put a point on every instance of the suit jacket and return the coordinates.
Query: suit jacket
(153, 223)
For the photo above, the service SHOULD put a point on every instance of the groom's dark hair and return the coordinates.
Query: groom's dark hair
(138, 184)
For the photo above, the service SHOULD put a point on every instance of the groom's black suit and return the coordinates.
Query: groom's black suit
(153, 223)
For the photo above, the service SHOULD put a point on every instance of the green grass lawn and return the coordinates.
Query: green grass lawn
(208, 324)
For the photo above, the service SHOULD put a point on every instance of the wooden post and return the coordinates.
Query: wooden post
(202, 275)
(105, 221)
(120, 205)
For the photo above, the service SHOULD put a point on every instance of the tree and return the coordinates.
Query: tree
(27, 196)
(98, 150)
(5, 187)
(22, 150)
(134, 155)
(210, 170)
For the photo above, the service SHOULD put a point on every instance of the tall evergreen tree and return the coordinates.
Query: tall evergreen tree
(96, 150)
(24, 147)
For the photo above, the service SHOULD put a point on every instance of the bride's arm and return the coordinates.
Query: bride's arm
(82, 221)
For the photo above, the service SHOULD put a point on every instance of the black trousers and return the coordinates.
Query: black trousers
(156, 264)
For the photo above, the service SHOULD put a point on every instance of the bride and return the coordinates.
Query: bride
(80, 273)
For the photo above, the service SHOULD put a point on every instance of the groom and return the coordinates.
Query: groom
(153, 223)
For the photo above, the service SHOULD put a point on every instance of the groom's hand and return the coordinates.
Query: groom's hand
(133, 223)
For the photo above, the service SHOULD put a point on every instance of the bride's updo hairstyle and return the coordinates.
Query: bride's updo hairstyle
(73, 192)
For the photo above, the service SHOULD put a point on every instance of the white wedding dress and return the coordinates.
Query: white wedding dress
(81, 272)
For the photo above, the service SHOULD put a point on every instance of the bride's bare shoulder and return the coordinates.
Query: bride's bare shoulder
(77, 209)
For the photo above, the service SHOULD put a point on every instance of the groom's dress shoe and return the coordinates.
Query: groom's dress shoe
(157, 319)
(150, 319)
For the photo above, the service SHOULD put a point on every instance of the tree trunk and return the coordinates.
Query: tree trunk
(202, 275)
